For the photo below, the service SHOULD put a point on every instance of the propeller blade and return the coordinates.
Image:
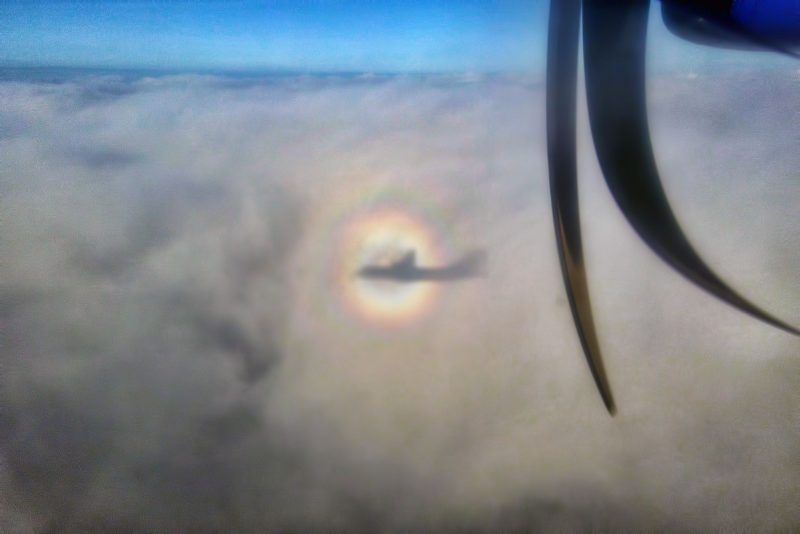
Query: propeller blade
(562, 70)
(615, 33)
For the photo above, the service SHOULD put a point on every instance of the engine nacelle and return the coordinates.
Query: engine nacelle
(741, 24)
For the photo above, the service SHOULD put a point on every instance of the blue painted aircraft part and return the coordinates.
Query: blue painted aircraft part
(773, 18)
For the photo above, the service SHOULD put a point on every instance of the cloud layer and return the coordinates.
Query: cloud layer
(175, 354)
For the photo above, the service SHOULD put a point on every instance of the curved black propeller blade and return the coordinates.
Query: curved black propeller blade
(562, 70)
(615, 34)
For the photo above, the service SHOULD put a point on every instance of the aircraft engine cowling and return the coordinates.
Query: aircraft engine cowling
(739, 24)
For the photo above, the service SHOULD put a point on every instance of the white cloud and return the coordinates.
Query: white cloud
(176, 354)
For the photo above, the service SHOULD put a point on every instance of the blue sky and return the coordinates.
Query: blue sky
(298, 35)
(354, 35)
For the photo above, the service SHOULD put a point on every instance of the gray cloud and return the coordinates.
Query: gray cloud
(175, 354)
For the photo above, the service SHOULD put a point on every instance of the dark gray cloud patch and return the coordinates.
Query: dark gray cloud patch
(99, 158)
(176, 355)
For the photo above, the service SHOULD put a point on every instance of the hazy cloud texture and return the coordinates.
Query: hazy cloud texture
(174, 356)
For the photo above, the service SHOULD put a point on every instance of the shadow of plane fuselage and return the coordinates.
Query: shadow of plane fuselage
(406, 269)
